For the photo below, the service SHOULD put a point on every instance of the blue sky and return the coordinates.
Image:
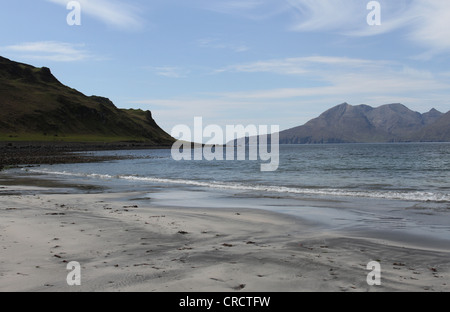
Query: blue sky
(262, 62)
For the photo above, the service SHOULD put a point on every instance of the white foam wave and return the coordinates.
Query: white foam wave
(394, 195)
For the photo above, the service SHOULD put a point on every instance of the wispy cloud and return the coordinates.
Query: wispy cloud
(433, 25)
(320, 15)
(214, 43)
(425, 21)
(350, 16)
(338, 76)
(251, 9)
(49, 51)
(295, 66)
(169, 71)
(116, 13)
(331, 80)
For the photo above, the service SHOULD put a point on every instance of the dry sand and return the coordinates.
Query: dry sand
(125, 245)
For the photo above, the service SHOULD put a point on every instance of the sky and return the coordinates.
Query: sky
(249, 62)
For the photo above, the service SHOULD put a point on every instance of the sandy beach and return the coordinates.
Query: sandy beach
(126, 243)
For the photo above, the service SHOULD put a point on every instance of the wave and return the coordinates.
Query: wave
(394, 195)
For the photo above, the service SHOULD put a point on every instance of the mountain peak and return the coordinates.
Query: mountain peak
(434, 111)
(395, 107)
(12, 71)
(338, 109)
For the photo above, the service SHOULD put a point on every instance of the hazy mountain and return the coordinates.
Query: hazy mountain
(35, 106)
(438, 131)
(364, 124)
(432, 116)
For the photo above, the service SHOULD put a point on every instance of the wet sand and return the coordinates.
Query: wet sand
(130, 245)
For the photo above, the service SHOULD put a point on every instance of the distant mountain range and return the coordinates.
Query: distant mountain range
(364, 124)
(35, 106)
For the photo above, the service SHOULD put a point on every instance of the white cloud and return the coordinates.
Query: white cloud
(339, 76)
(350, 16)
(432, 27)
(320, 15)
(425, 21)
(170, 71)
(296, 66)
(214, 43)
(335, 80)
(49, 51)
(251, 9)
(350, 85)
(120, 14)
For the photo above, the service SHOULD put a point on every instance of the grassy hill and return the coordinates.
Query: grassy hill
(35, 106)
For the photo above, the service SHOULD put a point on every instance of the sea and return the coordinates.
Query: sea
(398, 189)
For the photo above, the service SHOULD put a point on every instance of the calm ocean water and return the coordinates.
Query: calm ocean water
(383, 186)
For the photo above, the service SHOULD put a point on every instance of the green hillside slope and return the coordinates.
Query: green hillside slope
(35, 106)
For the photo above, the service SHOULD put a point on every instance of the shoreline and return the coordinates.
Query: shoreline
(39, 153)
(125, 243)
